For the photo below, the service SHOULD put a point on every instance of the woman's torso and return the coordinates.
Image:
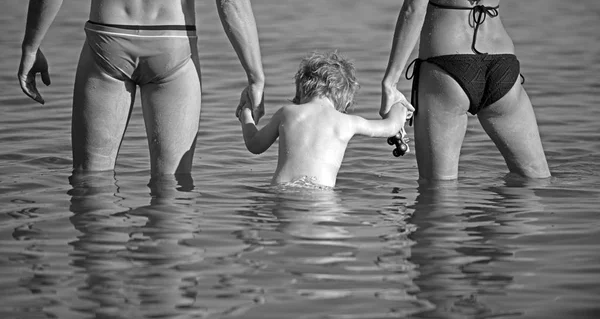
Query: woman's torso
(143, 12)
(450, 31)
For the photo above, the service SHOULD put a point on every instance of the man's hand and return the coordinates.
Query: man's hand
(391, 95)
(253, 95)
(30, 65)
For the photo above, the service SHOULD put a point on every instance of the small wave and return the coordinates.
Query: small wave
(304, 182)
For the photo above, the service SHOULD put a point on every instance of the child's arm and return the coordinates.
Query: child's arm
(390, 125)
(258, 141)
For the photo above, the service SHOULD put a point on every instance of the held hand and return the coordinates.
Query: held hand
(256, 95)
(244, 104)
(399, 111)
(252, 97)
(28, 68)
(390, 96)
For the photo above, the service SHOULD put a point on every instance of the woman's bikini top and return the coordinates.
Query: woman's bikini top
(478, 12)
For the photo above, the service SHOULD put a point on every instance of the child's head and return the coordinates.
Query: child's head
(326, 75)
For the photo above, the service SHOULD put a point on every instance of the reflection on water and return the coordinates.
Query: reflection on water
(454, 246)
(310, 214)
(129, 256)
(455, 250)
(469, 258)
(327, 259)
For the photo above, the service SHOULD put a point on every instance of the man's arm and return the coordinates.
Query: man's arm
(240, 26)
(258, 141)
(406, 34)
(40, 15)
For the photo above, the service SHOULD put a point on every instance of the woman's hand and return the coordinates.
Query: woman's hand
(390, 95)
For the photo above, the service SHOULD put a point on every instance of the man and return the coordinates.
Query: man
(147, 44)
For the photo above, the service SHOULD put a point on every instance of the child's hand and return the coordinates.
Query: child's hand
(400, 113)
(245, 103)
(403, 102)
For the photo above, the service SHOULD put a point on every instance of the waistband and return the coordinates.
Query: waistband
(143, 30)
(475, 8)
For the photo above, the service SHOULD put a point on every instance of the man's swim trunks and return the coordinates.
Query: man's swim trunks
(142, 54)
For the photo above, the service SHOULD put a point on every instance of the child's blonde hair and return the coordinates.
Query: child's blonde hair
(327, 75)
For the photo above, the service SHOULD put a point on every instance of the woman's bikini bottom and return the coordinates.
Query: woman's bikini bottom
(485, 78)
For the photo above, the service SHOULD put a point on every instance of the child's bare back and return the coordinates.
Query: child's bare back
(312, 141)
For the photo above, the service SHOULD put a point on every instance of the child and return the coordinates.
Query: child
(314, 131)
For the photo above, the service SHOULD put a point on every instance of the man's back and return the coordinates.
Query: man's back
(143, 12)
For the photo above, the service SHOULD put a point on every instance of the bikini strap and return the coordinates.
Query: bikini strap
(478, 14)
(415, 65)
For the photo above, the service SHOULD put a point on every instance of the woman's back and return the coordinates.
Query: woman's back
(450, 31)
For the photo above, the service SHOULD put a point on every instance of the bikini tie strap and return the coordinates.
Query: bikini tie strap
(415, 65)
(478, 14)
(412, 65)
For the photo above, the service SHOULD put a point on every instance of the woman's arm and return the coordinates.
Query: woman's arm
(240, 26)
(40, 15)
(406, 34)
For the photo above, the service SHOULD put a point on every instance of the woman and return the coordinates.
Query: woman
(466, 64)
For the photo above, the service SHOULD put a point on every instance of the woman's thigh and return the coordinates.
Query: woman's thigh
(101, 108)
(172, 115)
(440, 123)
(511, 124)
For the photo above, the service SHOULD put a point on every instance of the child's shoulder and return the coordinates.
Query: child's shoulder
(289, 108)
(285, 110)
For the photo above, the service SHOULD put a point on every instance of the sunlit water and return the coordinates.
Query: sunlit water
(224, 244)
